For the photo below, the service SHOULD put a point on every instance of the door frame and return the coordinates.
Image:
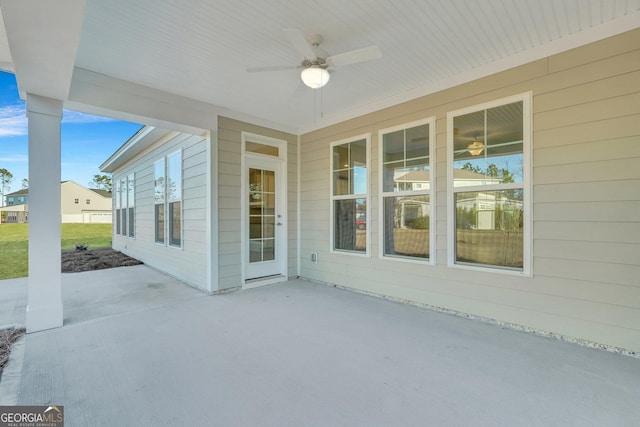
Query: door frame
(281, 187)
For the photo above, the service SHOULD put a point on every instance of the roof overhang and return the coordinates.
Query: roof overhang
(42, 38)
(140, 141)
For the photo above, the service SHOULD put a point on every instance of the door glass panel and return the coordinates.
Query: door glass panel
(255, 250)
(268, 226)
(268, 249)
(255, 147)
(262, 215)
(269, 181)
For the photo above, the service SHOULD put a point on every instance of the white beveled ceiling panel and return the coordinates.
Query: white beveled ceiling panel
(200, 49)
(6, 63)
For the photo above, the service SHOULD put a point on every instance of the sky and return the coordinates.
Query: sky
(87, 140)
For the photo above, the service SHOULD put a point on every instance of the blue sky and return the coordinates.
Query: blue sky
(87, 140)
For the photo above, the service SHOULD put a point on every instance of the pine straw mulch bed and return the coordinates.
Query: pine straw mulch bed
(7, 338)
(74, 261)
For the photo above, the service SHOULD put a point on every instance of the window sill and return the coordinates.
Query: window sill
(409, 260)
(351, 253)
(489, 269)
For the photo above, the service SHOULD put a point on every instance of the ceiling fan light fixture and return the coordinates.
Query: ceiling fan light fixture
(315, 76)
(475, 148)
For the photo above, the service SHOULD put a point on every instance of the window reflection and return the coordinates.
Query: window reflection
(489, 228)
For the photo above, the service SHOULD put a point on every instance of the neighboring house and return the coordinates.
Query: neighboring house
(17, 197)
(78, 205)
(249, 185)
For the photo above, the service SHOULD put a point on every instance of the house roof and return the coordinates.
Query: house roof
(423, 176)
(22, 192)
(103, 193)
(142, 139)
(25, 191)
(193, 54)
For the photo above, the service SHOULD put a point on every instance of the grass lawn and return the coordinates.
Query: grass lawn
(14, 243)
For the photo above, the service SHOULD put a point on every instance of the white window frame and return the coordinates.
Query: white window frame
(526, 186)
(366, 196)
(431, 121)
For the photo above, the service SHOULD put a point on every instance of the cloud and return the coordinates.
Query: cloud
(15, 158)
(13, 120)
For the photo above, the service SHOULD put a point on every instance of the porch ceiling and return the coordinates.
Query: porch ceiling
(200, 49)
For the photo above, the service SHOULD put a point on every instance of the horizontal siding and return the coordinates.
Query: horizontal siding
(586, 200)
(188, 263)
(229, 202)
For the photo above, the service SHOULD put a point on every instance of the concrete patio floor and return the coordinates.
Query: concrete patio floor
(140, 348)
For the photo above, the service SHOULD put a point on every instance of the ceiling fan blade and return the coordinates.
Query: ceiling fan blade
(355, 56)
(276, 68)
(300, 43)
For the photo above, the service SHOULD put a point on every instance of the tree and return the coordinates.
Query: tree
(504, 175)
(5, 179)
(101, 182)
(25, 183)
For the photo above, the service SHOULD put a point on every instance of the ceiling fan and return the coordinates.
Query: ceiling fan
(316, 61)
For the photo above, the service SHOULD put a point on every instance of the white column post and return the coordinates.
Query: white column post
(44, 309)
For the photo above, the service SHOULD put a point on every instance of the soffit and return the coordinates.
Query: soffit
(200, 49)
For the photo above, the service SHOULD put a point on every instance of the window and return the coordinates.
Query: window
(174, 198)
(118, 206)
(76, 201)
(489, 185)
(131, 214)
(407, 177)
(168, 200)
(123, 206)
(88, 201)
(159, 199)
(350, 195)
(124, 196)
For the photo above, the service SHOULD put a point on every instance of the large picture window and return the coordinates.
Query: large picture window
(489, 185)
(407, 182)
(350, 195)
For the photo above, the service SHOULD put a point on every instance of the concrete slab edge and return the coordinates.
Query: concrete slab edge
(225, 290)
(12, 374)
(514, 326)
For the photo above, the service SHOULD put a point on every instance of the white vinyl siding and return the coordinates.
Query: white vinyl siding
(190, 263)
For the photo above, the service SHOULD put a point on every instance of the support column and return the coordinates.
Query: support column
(44, 309)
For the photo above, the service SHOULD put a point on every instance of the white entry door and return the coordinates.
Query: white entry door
(265, 223)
